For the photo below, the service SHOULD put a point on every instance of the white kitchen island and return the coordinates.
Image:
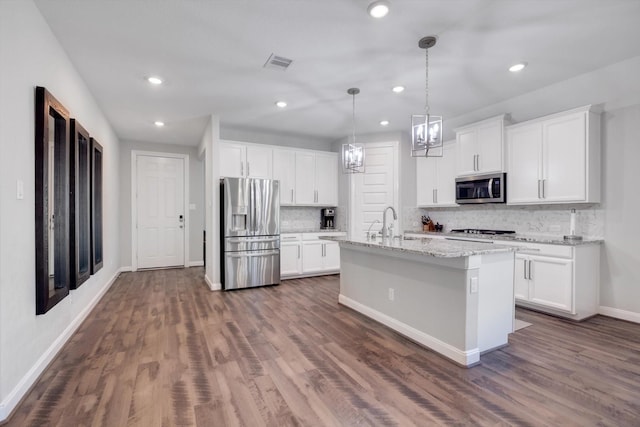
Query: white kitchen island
(456, 298)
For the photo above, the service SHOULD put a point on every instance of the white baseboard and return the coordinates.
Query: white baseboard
(464, 358)
(24, 386)
(630, 316)
(126, 269)
(196, 263)
(212, 286)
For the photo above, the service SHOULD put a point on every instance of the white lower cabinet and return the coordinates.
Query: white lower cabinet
(545, 281)
(557, 279)
(290, 255)
(304, 254)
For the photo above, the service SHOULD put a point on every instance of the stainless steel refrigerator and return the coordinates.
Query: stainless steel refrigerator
(250, 232)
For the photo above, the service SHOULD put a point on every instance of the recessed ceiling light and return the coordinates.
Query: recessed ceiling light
(384, 123)
(154, 80)
(158, 123)
(398, 89)
(281, 104)
(378, 9)
(517, 67)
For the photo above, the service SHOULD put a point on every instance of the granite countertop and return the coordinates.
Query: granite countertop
(438, 248)
(552, 240)
(309, 230)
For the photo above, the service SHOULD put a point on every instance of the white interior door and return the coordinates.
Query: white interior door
(161, 219)
(375, 189)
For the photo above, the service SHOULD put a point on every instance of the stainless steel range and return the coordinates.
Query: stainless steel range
(482, 231)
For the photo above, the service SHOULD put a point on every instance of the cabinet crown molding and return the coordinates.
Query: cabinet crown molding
(595, 109)
(504, 117)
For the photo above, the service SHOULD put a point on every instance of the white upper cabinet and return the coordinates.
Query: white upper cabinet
(555, 159)
(245, 160)
(284, 170)
(307, 177)
(436, 178)
(481, 147)
(327, 179)
(316, 178)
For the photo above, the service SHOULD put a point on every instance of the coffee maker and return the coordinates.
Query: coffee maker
(327, 218)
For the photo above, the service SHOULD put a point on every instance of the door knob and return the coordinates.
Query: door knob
(181, 218)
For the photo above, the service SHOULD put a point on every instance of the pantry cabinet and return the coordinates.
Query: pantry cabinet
(435, 178)
(481, 147)
(555, 159)
(245, 160)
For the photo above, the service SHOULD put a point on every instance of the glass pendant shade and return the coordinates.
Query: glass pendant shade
(352, 153)
(352, 158)
(426, 135)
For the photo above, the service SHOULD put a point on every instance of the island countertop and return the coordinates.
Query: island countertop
(438, 248)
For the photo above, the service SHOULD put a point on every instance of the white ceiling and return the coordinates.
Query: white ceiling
(211, 56)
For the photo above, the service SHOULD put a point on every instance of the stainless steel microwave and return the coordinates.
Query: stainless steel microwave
(490, 188)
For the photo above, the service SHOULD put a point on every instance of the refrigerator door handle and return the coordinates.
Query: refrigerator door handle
(251, 254)
(252, 239)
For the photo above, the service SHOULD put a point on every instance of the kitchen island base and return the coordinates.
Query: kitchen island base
(459, 307)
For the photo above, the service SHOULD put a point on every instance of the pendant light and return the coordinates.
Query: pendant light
(426, 129)
(352, 153)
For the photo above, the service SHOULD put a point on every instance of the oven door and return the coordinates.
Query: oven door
(481, 189)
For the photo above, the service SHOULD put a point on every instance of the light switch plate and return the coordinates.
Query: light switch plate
(474, 285)
(19, 189)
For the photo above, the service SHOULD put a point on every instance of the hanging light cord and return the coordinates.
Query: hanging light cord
(426, 85)
(354, 119)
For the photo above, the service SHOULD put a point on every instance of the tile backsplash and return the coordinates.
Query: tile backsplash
(545, 220)
(294, 218)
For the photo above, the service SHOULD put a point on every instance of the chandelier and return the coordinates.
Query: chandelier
(352, 153)
(426, 129)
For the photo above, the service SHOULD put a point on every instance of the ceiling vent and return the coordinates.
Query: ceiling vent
(277, 62)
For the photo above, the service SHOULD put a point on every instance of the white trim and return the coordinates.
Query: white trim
(464, 358)
(126, 269)
(15, 396)
(196, 263)
(630, 316)
(212, 286)
(134, 204)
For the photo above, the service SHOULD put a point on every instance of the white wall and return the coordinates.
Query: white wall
(30, 56)
(209, 148)
(196, 196)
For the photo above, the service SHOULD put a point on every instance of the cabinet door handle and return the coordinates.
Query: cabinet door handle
(241, 169)
(248, 173)
(543, 181)
(539, 192)
(525, 268)
(477, 162)
(433, 195)
(292, 195)
(530, 277)
(298, 251)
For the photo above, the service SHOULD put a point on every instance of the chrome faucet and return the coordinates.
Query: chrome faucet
(385, 230)
(369, 230)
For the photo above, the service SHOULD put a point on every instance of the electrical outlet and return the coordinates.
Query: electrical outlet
(392, 294)
(414, 223)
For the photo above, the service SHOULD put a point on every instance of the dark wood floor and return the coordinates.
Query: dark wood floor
(162, 350)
